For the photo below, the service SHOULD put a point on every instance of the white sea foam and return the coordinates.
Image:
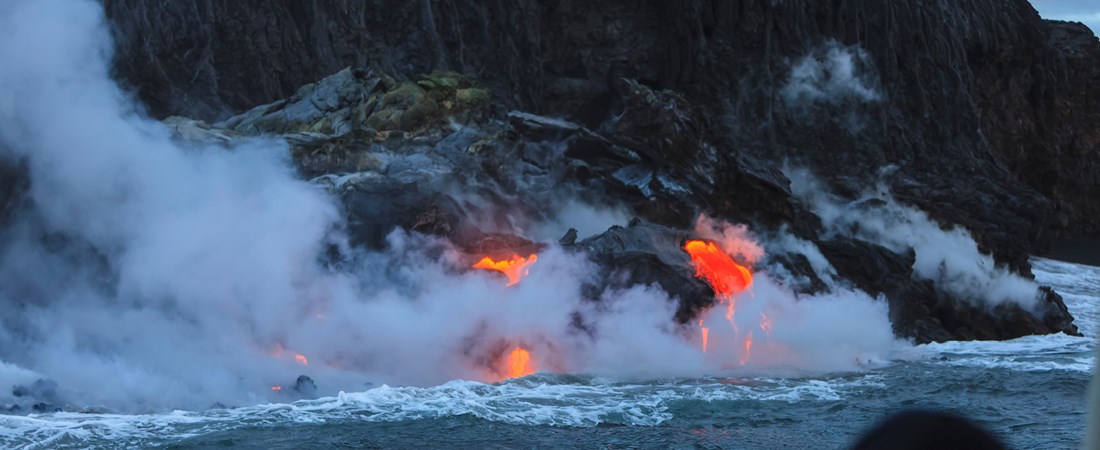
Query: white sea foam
(535, 400)
(1026, 364)
(1079, 286)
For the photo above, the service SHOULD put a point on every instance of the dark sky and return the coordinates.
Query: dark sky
(1087, 11)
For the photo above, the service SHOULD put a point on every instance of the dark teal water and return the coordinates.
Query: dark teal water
(1028, 410)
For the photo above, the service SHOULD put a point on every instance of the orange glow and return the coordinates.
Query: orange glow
(515, 268)
(706, 335)
(276, 350)
(730, 307)
(765, 324)
(724, 275)
(748, 349)
(519, 363)
(301, 359)
(276, 388)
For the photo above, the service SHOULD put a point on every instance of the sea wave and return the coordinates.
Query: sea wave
(541, 399)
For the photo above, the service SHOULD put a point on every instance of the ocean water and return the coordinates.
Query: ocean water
(1029, 391)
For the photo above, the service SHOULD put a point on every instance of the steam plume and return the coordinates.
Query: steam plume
(145, 274)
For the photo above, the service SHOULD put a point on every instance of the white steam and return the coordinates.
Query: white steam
(587, 219)
(769, 327)
(831, 74)
(785, 242)
(150, 275)
(948, 257)
(735, 240)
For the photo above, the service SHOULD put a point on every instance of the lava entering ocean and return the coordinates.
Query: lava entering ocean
(519, 363)
(728, 278)
(515, 268)
(516, 363)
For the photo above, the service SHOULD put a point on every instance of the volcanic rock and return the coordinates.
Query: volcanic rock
(475, 183)
(41, 389)
(305, 387)
(500, 246)
(39, 397)
(991, 115)
(475, 123)
(649, 254)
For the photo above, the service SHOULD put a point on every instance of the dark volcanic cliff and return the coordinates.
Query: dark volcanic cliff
(986, 114)
(991, 112)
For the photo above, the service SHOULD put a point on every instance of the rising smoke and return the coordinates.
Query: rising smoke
(949, 257)
(144, 274)
(831, 74)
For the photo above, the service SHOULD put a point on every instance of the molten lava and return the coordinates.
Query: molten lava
(706, 334)
(301, 359)
(725, 275)
(519, 363)
(276, 388)
(748, 349)
(515, 268)
(728, 278)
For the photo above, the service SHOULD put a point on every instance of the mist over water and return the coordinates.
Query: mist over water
(144, 274)
(140, 274)
(1028, 391)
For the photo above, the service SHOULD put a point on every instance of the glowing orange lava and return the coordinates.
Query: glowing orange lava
(731, 305)
(728, 278)
(515, 268)
(276, 388)
(301, 359)
(725, 275)
(706, 334)
(519, 363)
(748, 349)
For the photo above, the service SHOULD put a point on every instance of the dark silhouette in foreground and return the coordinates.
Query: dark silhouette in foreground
(913, 430)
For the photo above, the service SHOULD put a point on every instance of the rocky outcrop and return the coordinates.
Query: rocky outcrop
(641, 254)
(479, 178)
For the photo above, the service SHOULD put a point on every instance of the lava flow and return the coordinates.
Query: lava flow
(727, 278)
(519, 363)
(278, 349)
(515, 268)
(725, 275)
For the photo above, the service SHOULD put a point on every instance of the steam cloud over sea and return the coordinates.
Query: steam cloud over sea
(141, 273)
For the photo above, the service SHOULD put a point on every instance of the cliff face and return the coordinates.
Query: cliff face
(978, 113)
(989, 111)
